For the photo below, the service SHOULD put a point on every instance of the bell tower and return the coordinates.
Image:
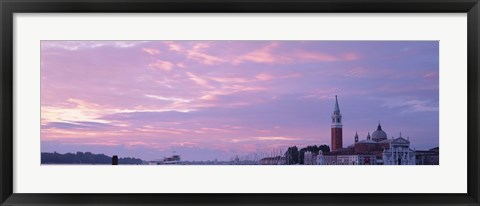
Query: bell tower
(336, 127)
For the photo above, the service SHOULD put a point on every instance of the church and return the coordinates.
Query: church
(375, 149)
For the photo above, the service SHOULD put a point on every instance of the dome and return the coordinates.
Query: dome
(379, 134)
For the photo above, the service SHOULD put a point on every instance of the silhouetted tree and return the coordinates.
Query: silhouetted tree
(324, 148)
(292, 155)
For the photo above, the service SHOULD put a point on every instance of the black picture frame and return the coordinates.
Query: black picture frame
(10, 7)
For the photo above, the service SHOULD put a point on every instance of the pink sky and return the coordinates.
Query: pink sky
(216, 99)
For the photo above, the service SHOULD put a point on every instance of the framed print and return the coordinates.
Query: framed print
(253, 103)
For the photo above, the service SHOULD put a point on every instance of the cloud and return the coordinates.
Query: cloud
(431, 75)
(198, 80)
(264, 76)
(230, 79)
(324, 57)
(77, 125)
(292, 75)
(197, 53)
(157, 130)
(162, 65)
(262, 55)
(165, 83)
(357, 72)
(209, 97)
(124, 111)
(411, 105)
(393, 88)
(171, 99)
(151, 51)
(215, 129)
(321, 94)
(350, 56)
(147, 117)
(241, 88)
(79, 45)
(273, 54)
(264, 138)
(181, 65)
(275, 138)
(230, 89)
(172, 46)
(315, 56)
(75, 111)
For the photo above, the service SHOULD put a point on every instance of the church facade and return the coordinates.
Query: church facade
(375, 149)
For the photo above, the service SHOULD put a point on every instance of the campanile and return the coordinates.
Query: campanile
(336, 127)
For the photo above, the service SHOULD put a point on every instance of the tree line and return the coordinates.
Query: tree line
(84, 158)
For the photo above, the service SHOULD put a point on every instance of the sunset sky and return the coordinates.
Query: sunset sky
(216, 99)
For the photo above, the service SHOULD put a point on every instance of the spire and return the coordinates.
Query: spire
(379, 126)
(356, 137)
(368, 136)
(336, 110)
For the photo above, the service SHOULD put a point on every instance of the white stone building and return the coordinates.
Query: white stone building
(309, 158)
(399, 153)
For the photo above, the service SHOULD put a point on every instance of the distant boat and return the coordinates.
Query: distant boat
(173, 160)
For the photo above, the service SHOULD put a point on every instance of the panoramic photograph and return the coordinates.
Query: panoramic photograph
(239, 102)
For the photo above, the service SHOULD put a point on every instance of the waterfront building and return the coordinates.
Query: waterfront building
(346, 157)
(309, 158)
(320, 158)
(375, 149)
(427, 157)
(327, 158)
(399, 152)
